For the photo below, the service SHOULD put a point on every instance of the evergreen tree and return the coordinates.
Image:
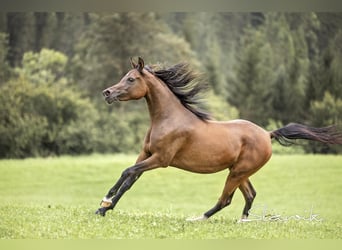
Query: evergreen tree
(249, 90)
(104, 50)
(290, 64)
(272, 71)
(21, 32)
(4, 67)
(213, 37)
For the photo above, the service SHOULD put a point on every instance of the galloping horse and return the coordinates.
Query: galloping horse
(183, 136)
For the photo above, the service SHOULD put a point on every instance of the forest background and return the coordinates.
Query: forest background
(271, 68)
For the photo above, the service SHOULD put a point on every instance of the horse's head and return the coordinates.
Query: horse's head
(131, 87)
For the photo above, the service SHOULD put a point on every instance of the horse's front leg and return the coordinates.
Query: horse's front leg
(116, 192)
(125, 182)
(107, 199)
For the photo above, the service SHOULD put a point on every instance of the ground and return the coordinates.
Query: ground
(299, 197)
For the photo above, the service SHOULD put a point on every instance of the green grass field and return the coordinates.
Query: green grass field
(299, 197)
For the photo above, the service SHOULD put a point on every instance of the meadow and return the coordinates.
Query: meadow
(299, 197)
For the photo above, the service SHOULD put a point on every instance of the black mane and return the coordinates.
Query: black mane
(185, 85)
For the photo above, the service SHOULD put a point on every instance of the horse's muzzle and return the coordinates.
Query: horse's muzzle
(106, 93)
(112, 96)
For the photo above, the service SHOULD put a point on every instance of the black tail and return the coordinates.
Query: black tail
(293, 131)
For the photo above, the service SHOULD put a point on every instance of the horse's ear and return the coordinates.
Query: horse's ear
(133, 64)
(140, 65)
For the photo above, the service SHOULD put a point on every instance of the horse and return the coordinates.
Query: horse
(184, 136)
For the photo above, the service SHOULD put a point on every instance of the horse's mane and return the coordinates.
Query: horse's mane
(185, 84)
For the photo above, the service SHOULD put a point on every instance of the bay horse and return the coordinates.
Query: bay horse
(183, 136)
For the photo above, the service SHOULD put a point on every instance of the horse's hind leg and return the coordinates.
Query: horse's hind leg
(249, 193)
(232, 183)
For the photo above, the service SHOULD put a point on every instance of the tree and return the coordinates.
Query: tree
(32, 31)
(331, 73)
(249, 90)
(45, 67)
(4, 67)
(325, 113)
(21, 30)
(40, 114)
(103, 52)
(213, 37)
(271, 74)
(290, 64)
(21, 132)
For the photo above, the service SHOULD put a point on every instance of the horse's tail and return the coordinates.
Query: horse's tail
(286, 135)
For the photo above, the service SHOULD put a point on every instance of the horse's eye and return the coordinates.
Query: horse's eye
(131, 79)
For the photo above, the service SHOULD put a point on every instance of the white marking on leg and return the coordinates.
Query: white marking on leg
(106, 202)
(200, 218)
(243, 220)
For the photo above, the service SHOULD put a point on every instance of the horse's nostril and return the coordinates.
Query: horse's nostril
(106, 93)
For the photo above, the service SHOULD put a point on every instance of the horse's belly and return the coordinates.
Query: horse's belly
(205, 157)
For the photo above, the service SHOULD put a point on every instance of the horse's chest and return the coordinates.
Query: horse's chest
(164, 138)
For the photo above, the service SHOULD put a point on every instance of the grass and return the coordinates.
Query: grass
(55, 198)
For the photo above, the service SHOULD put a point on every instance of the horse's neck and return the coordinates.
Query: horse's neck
(162, 103)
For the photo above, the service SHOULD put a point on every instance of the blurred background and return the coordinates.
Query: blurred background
(271, 68)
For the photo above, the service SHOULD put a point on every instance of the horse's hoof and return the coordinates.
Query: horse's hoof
(101, 211)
